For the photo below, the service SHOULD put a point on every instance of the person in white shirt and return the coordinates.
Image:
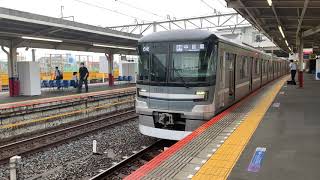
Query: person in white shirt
(293, 70)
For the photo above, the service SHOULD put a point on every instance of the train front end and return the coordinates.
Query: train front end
(176, 82)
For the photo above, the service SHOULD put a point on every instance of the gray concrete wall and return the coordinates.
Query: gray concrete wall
(33, 121)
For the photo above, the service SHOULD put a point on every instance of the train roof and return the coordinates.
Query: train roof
(192, 35)
(177, 35)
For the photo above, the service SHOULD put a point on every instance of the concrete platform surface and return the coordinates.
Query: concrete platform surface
(5, 98)
(290, 132)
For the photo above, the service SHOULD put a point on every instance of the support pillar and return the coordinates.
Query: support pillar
(12, 72)
(300, 68)
(33, 55)
(109, 56)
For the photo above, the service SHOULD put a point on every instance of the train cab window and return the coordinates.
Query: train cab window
(143, 64)
(158, 66)
(152, 66)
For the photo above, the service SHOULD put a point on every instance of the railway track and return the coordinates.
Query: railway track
(66, 132)
(133, 162)
(58, 103)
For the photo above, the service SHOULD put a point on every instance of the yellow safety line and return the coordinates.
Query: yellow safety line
(220, 164)
(15, 125)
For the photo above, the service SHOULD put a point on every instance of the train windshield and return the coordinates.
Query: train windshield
(192, 63)
(182, 64)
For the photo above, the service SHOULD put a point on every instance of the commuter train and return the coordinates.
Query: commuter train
(186, 77)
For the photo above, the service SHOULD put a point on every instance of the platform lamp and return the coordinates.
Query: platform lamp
(270, 2)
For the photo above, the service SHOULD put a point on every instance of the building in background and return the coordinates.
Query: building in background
(248, 35)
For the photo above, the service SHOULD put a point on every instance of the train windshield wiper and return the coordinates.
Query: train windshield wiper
(181, 78)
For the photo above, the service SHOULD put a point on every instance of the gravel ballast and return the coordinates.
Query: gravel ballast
(74, 159)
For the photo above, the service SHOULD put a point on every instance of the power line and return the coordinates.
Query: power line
(140, 9)
(110, 10)
(222, 3)
(208, 5)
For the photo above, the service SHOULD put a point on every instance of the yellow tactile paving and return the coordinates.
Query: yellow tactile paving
(222, 161)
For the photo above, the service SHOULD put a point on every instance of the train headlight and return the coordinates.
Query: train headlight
(204, 94)
(141, 92)
(201, 92)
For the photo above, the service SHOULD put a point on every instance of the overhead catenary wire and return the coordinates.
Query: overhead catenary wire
(204, 2)
(140, 9)
(110, 10)
(224, 5)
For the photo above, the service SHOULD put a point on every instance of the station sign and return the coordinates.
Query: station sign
(307, 51)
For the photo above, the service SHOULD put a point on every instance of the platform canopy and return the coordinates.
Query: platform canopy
(23, 29)
(295, 18)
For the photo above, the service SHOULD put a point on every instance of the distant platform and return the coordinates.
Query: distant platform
(54, 92)
(280, 121)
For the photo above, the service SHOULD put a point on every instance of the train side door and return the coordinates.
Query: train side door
(230, 63)
(261, 67)
(250, 64)
(222, 75)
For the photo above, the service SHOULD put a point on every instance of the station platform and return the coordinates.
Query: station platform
(5, 99)
(271, 134)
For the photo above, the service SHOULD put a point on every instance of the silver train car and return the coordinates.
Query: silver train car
(186, 77)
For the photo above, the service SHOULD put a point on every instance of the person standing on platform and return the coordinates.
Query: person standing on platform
(293, 70)
(84, 74)
(58, 76)
(75, 79)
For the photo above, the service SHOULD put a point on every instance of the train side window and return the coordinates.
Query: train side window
(242, 73)
(256, 66)
(264, 66)
(243, 67)
(249, 63)
(230, 57)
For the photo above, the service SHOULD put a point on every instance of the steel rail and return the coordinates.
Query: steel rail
(111, 172)
(64, 133)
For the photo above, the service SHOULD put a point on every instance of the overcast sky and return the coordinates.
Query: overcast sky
(116, 12)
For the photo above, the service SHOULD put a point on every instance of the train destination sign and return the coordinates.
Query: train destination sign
(188, 47)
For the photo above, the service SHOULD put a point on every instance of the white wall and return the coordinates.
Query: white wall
(246, 35)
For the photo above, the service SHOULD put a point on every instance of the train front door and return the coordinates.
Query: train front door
(158, 89)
